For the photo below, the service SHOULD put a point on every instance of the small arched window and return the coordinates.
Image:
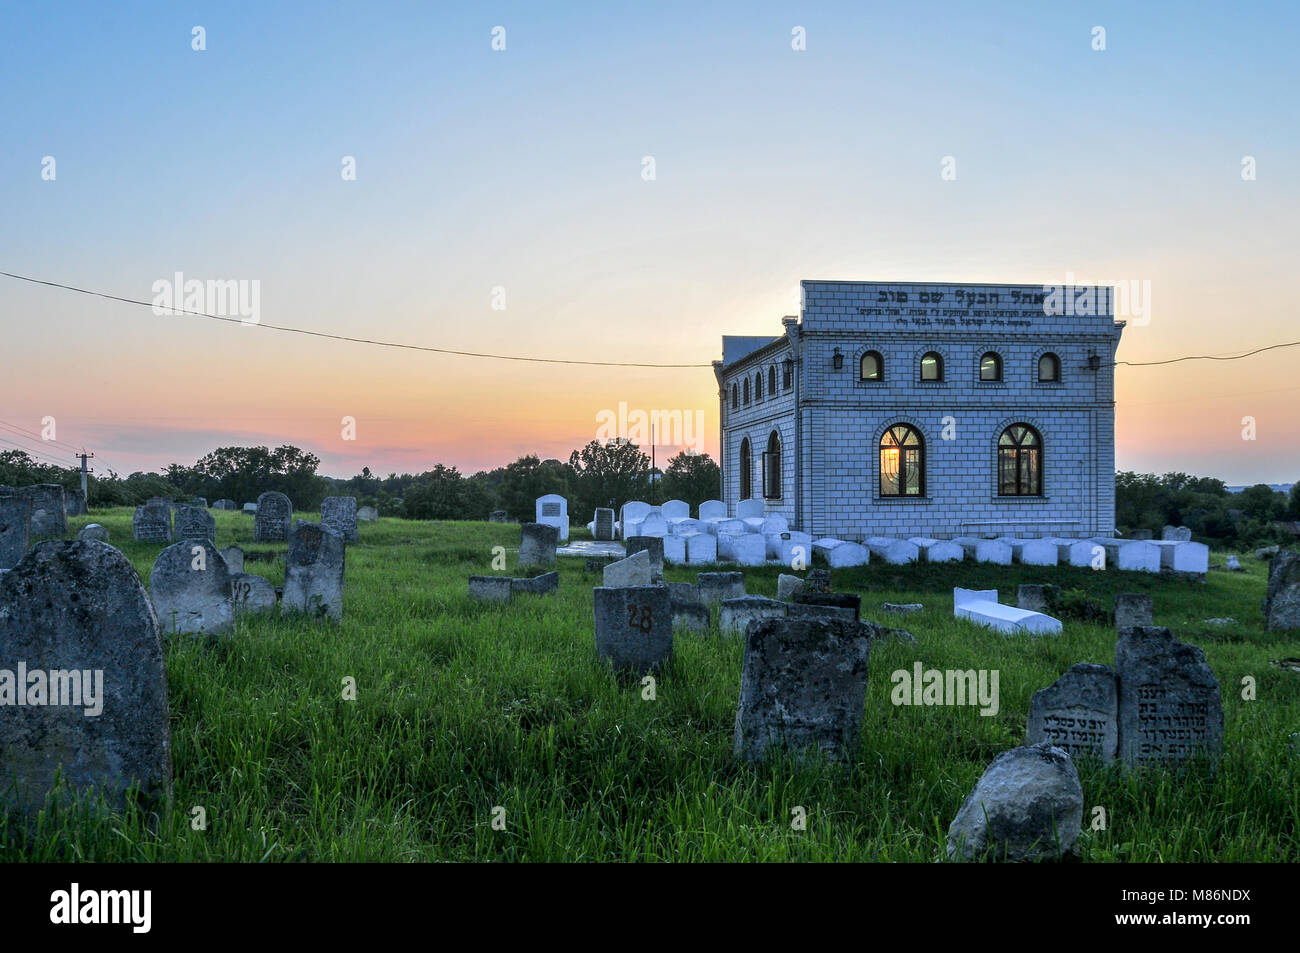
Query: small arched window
(772, 468)
(787, 374)
(771, 379)
(758, 386)
(872, 367)
(746, 390)
(990, 367)
(902, 462)
(1049, 368)
(1020, 462)
(746, 489)
(735, 396)
(932, 366)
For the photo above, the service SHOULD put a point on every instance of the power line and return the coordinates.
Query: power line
(343, 337)
(1210, 357)
(59, 444)
(38, 457)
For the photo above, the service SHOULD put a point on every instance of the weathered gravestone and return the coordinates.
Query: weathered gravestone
(152, 523)
(1282, 599)
(654, 545)
(1169, 705)
(690, 615)
(634, 627)
(74, 502)
(1036, 597)
(538, 585)
(604, 523)
(225, 505)
(80, 632)
(368, 514)
(490, 588)
(1132, 609)
(1181, 534)
(49, 518)
(250, 509)
(190, 588)
(274, 518)
(537, 543)
(787, 586)
(850, 602)
(715, 587)
(339, 513)
(1078, 713)
(193, 522)
(1027, 806)
(94, 531)
(15, 528)
(234, 557)
(313, 572)
(497, 516)
(251, 593)
(735, 615)
(803, 684)
(632, 571)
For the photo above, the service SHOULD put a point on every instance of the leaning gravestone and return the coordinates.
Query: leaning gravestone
(654, 545)
(632, 571)
(15, 529)
(537, 544)
(274, 518)
(107, 649)
(94, 531)
(234, 557)
(1132, 609)
(1169, 706)
(1078, 713)
(1282, 600)
(313, 573)
(49, 518)
(251, 593)
(604, 529)
(803, 684)
(193, 522)
(190, 588)
(634, 627)
(1027, 806)
(339, 513)
(74, 502)
(152, 523)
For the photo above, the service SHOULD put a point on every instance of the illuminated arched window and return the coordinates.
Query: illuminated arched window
(746, 487)
(1049, 368)
(872, 367)
(772, 468)
(932, 366)
(902, 462)
(990, 367)
(1020, 462)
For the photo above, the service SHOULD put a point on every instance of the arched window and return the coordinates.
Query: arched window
(735, 396)
(787, 374)
(771, 379)
(1020, 462)
(990, 367)
(1049, 368)
(758, 386)
(872, 367)
(746, 488)
(932, 366)
(772, 468)
(747, 390)
(902, 462)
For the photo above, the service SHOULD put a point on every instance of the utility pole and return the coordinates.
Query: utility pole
(84, 471)
(654, 489)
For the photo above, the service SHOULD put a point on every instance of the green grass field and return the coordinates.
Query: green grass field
(462, 708)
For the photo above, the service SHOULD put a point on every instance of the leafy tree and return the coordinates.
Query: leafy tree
(692, 477)
(606, 474)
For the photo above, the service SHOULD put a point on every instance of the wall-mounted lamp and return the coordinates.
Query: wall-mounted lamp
(837, 360)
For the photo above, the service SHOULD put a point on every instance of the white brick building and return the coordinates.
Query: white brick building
(901, 409)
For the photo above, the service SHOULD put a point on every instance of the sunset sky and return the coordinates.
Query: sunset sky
(521, 169)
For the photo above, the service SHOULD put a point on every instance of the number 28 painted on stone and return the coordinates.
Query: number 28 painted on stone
(640, 617)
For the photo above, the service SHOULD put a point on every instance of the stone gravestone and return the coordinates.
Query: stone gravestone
(1078, 713)
(368, 514)
(634, 627)
(251, 593)
(803, 684)
(15, 529)
(190, 588)
(1132, 609)
(553, 510)
(632, 571)
(498, 516)
(313, 573)
(234, 557)
(537, 544)
(193, 522)
(1181, 534)
(152, 523)
(1027, 806)
(490, 588)
(115, 735)
(49, 518)
(250, 509)
(339, 513)
(74, 502)
(604, 529)
(654, 545)
(715, 587)
(225, 505)
(94, 531)
(1036, 597)
(1282, 600)
(1169, 705)
(274, 518)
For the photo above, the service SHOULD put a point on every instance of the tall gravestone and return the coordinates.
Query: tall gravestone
(537, 542)
(74, 502)
(803, 685)
(78, 610)
(15, 528)
(1078, 713)
(604, 523)
(1169, 706)
(274, 518)
(1282, 599)
(49, 516)
(1133, 609)
(152, 523)
(634, 627)
(193, 522)
(339, 513)
(654, 545)
(190, 588)
(313, 573)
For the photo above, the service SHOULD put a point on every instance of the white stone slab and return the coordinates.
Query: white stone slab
(1084, 553)
(751, 509)
(688, 525)
(839, 554)
(675, 550)
(1133, 555)
(896, 552)
(553, 510)
(653, 525)
(713, 510)
(932, 550)
(729, 527)
(992, 551)
(701, 548)
(776, 523)
(675, 510)
(981, 606)
(748, 549)
(1037, 552)
(1184, 557)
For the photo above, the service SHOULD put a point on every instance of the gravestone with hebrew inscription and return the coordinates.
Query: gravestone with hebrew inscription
(251, 593)
(634, 627)
(274, 518)
(1078, 713)
(339, 513)
(101, 724)
(190, 588)
(15, 528)
(537, 542)
(152, 523)
(1132, 609)
(1282, 598)
(553, 510)
(603, 525)
(193, 522)
(1169, 705)
(313, 573)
